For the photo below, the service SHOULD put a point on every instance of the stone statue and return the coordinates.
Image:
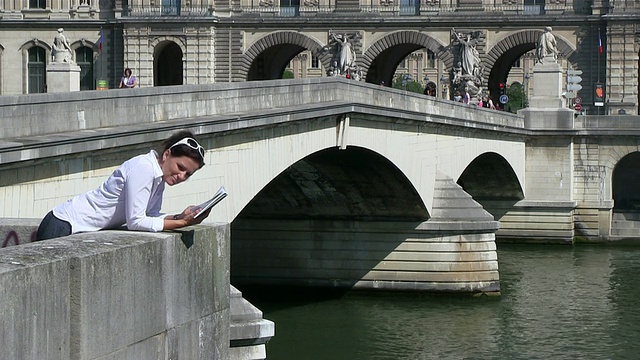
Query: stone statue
(347, 56)
(467, 72)
(61, 50)
(547, 47)
(469, 56)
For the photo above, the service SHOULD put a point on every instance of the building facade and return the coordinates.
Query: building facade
(173, 42)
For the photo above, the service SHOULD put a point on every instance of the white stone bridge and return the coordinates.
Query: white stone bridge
(339, 183)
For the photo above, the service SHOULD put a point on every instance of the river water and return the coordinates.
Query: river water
(557, 302)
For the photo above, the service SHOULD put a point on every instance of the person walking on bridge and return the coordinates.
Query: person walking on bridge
(132, 195)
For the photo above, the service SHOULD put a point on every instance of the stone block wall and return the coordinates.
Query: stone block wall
(365, 255)
(117, 295)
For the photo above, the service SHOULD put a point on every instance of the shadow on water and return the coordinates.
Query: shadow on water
(558, 302)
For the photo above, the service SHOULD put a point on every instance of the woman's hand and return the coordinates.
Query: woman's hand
(186, 218)
(189, 215)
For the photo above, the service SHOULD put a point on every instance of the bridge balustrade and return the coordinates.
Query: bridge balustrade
(391, 9)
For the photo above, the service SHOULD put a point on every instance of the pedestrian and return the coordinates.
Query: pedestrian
(457, 97)
(132, 195)
(128, 80)
(486, 103)
(466, 98)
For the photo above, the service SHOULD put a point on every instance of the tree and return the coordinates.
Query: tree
(287, 74)
(412, 86)
(517, 97)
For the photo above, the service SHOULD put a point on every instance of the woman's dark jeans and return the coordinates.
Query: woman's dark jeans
(52, 227)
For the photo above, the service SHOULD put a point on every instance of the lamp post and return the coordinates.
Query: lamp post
(443, 81)
(526, 89)
(405, 79)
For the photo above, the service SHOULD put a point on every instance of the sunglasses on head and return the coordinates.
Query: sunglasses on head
(192, 143)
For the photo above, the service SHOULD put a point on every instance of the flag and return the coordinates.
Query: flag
(600, 49)
(100, 41)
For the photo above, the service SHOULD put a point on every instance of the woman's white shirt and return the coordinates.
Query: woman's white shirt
(132, 195)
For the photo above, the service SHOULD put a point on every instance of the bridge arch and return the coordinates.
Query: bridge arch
(506, 51)
(625, 185)
(332, 184)
(267, 58)
(381, 59)
(492, 182)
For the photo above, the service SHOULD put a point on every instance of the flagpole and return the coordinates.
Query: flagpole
(599, 53)
(599, 48)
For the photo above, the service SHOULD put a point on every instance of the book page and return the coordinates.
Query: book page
(221, 194)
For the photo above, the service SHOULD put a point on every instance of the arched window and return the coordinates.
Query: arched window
(37, 70)
(84, 59)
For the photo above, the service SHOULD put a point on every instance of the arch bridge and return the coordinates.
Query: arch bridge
(387, 190)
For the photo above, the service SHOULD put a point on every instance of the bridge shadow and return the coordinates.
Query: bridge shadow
(349, 219)
(492, 182)
(326, 221)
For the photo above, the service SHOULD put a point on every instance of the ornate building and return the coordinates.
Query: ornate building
(171, 42)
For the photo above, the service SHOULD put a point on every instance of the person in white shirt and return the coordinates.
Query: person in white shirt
(132, 195)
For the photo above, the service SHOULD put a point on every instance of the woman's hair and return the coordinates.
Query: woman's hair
(127, 70)
(182, 149)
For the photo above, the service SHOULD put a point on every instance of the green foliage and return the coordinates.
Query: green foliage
(287, 74)
(517, 98)
(412, 86)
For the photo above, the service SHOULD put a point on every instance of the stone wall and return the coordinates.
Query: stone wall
(117, 295)
(364, 255)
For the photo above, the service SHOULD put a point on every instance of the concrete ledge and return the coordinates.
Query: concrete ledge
(117, 294)
(546, 204)
(489, 226)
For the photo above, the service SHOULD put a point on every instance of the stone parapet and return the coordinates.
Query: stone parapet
(117, 294)
(57, 116)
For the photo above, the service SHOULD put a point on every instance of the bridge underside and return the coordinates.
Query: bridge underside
(350, 219)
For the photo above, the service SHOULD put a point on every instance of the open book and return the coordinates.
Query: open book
(221, 194)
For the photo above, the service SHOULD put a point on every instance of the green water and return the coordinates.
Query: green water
(558, 302)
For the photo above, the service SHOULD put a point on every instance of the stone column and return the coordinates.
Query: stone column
(622, 62)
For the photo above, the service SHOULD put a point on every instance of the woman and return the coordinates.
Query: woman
(128, 80)
(466, 98)
(132, 195)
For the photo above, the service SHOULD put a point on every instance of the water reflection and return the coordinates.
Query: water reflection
(558, 302)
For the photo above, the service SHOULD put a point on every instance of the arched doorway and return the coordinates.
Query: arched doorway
(167, 64)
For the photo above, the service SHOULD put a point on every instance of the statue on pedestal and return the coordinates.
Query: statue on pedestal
(61, 51)
(345, 55)
(547, 50)
(467, 73)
